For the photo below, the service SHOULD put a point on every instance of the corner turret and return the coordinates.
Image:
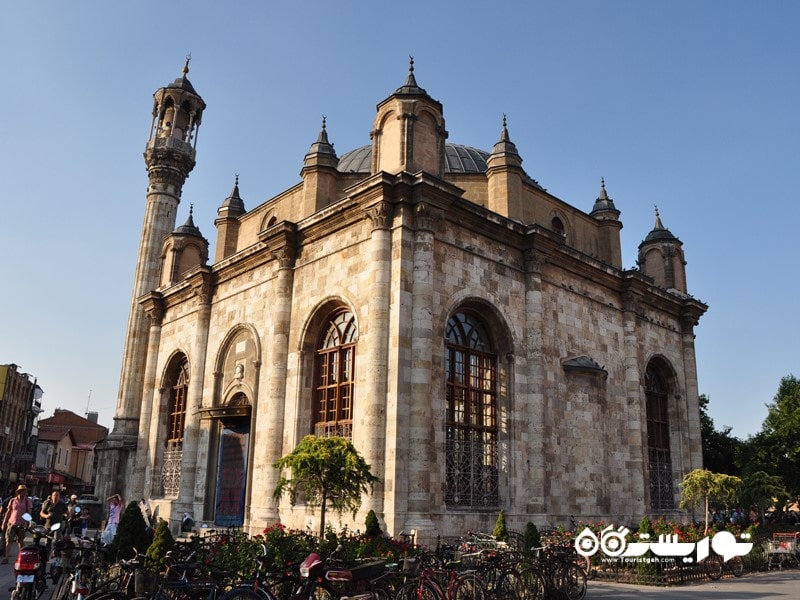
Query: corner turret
(227, 223)
(609, 244)
(505, 177)
(408, 132)
(319, 174)
(661, 257)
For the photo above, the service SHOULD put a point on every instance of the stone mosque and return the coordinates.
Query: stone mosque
(475, 336)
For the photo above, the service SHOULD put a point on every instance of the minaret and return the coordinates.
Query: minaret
(170, 157)
(610, 249)
(661, 257)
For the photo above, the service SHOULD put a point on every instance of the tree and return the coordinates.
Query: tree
(722, 452)
(779, 439)
(331, 473)
(759, 489)
(372, 527)
(132, 534)
(500, 531)
(702, 485)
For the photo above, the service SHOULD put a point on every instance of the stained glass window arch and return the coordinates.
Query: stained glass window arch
(334, 376)
(471, 413)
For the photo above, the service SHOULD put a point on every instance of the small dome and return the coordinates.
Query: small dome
(188, 228)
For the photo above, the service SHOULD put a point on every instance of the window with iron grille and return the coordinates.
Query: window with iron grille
(471, 419)
(176, 415)
(334, 369)
(662, 495)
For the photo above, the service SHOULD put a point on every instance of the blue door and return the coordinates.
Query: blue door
(232, 475)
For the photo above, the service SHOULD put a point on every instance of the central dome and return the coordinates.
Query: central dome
(458, 159)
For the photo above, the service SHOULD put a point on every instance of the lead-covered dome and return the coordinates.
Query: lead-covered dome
(458, 159)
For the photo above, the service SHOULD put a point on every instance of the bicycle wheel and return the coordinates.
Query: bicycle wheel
(60, 589)
(509, 586)
(736, 566)
(573, 581)
(467, 587)
(244, 594)
(533, 585)
(417, 590)
(713, 566)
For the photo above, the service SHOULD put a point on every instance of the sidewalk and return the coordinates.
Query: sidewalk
(771, 585)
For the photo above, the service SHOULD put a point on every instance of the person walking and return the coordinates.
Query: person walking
(114, 515)
(13, 524)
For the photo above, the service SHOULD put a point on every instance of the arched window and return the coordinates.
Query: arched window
(335, 357)
(662, 496)
(471, 420)
(177, 386)
(557, 226)
(176, 413)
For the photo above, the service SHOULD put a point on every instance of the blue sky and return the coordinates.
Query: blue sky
(688, 105)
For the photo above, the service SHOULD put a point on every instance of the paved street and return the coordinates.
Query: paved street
(755, 586)
(760, 586)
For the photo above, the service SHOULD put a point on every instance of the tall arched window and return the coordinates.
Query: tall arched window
(471, 420)
(662, 496)
(176, 415)
(172, 460)
(335, 357)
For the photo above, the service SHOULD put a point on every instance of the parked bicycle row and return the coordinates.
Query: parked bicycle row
(476, 568)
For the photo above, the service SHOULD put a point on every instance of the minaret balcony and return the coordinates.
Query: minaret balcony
(172, 143)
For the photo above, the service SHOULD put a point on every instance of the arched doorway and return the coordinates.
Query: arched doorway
(232, 423)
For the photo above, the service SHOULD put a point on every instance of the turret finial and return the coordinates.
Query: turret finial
(410, 63)
(236, 179)
(185, 69)
(324, 120)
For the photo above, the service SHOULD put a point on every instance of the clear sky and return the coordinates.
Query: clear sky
(688, 105)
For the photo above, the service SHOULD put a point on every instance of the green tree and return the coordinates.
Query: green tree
(722, 452)
(759, 489)
(500, 531)
(532, 539)
(701, 486)
(329, 471)
(162, 544)
(372, 527)
(779, 439)
(132, 534)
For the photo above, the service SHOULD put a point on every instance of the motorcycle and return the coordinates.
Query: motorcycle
(30, 567)
(357, 583)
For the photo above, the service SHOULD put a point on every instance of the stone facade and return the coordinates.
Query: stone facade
(493, 353)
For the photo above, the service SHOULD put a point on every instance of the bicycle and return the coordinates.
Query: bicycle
(559, 573)
(443, 584)
(715, 566)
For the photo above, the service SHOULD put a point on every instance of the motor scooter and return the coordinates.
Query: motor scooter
(337, 583)
(30, 567)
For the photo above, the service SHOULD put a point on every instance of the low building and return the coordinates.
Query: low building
(20, 405)
(65, 456)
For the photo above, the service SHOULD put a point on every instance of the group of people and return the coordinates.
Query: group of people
(72, 519)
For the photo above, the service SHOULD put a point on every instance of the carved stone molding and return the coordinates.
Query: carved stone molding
(153, 306)
(380, 214)
(285, 256)
(425, 216)
(535, 260)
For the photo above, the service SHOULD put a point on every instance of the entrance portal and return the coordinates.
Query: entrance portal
(232, 474)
